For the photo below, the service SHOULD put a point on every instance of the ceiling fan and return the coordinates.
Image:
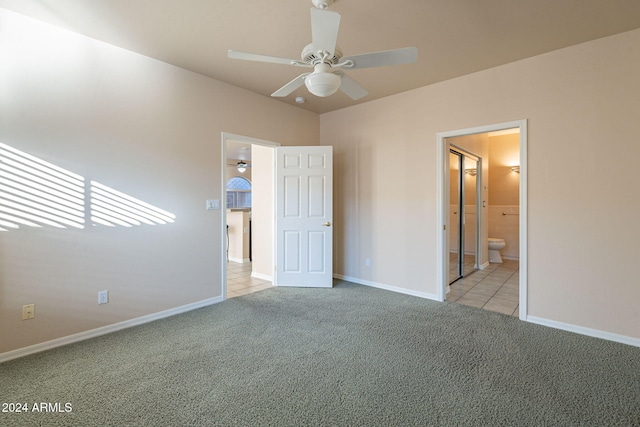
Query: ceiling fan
(325, 57)
(241, 165)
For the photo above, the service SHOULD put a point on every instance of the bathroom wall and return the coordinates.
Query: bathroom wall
(504, 192)
(504, 224)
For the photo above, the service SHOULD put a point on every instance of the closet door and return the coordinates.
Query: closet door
(456, 216)
(464, 211)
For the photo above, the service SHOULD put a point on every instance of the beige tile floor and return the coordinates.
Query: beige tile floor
(495, 288)
(240, 282)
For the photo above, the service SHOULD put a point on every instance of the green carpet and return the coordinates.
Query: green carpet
(346, 356)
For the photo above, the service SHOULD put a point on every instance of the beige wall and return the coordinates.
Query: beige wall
(504, 192)
(581, 104)
(504, 152)
(262, 211)
(238, 233)
(152, 130)
(143, 127)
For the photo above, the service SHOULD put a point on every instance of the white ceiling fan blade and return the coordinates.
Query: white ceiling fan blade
(351, 87)
(407, 55)
(291, 86)
(324, 30)
(261, 58)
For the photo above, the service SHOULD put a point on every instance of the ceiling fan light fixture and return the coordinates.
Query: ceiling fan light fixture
(242, 167)
(322, 83)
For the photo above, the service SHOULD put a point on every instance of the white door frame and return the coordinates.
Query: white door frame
(226, 136)
(443, 195)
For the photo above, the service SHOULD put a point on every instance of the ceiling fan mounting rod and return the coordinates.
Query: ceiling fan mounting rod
(322, 4)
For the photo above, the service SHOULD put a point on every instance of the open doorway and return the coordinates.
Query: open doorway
(499, 214)
(296, 189)
(247, 219)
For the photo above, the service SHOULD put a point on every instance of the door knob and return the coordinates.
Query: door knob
(327, 224)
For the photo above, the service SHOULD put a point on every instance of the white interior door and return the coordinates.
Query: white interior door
(304, 212)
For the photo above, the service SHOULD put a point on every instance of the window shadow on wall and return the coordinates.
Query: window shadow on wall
(35, 193)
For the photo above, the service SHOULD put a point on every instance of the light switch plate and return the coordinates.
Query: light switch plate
(213, 204)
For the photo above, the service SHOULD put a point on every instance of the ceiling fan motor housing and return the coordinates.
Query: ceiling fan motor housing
(310, 57)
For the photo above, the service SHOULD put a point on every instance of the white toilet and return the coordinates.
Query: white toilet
(495, 245)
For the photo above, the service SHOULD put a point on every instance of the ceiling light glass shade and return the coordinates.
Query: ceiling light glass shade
(242, 167)
(322, 84)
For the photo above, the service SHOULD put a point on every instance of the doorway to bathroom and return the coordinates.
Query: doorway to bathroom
(498, 212)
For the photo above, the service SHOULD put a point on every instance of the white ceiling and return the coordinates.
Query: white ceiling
(453, 37)
(238, 151)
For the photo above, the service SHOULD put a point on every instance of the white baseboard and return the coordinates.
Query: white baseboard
(261, 276)
(240, 260)
(387, 287)
(483, 266)
(585, 331)
(81, 336)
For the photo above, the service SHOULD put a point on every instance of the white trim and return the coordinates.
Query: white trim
(262, 276)
(81, 336)
(443, 203)
(503, 132)
(386, 287)
(442, 197)
(240, 260)
(585, 331)
(524, 221)
(226, 136)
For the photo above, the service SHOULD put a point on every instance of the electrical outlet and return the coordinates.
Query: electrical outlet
(28, 311)
(103, 297)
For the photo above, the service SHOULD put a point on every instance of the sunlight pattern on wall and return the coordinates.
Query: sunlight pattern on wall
(36, 193)
(111, 207)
